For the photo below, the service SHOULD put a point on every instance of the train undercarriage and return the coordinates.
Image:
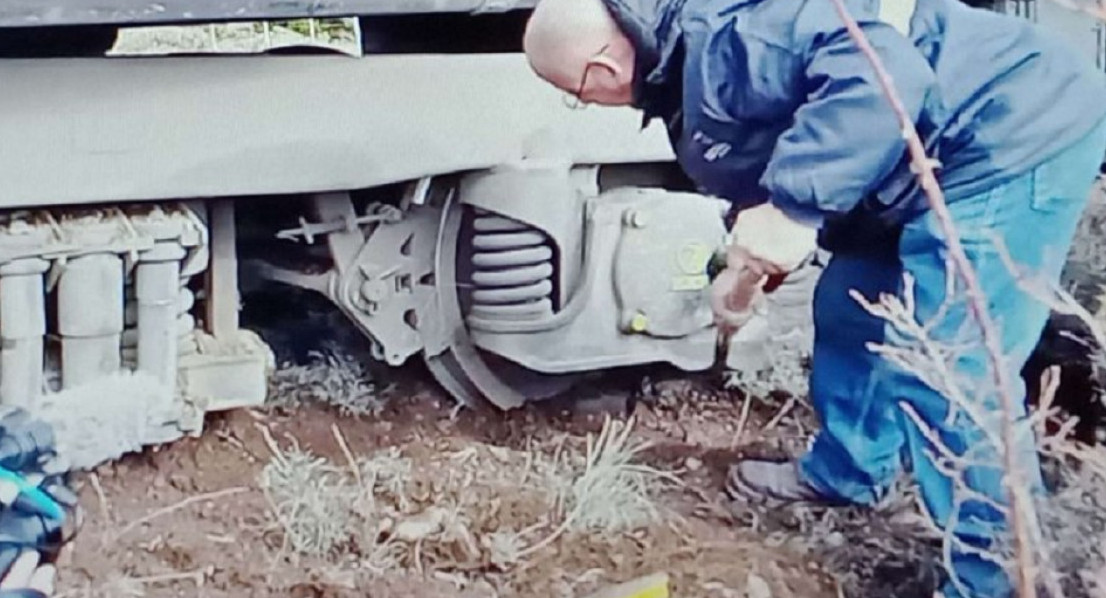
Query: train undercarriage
(442, 197)
(486, 237)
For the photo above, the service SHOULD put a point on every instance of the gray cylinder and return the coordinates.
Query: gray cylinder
(22, 328)
(90, 318)
(157, 290)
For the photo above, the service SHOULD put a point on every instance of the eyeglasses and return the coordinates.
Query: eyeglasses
(573, 101)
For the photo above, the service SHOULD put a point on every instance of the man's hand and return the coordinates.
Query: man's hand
(732, 297)
(768, 237)
(766, 244)
(737, 290)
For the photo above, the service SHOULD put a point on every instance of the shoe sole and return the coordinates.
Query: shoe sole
(738, 489)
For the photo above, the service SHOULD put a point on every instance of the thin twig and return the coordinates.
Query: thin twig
(746, 406)
(122, 585)
(348, 454)
(977, 300)
(711, 505)
(1050, 383)
(270, 442)
(105, 507)
(1049, 295)
(178, 506)
(197, 576)
(784, 410)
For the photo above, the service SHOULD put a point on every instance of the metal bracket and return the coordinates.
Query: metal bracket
(382, 277)
(309, 230)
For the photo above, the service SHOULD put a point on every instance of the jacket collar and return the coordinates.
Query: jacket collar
(653, 28)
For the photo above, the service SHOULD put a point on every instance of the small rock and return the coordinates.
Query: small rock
(385, 526)
(693, 464)
(798, 545)
(775, 540)
(756, 587)
(421, 526)
(696, 437)
(674, 386)
(340, 579)
(482, 587)
(835, 540)
(601, 405)
(651, 585)
(182, 482)
(500, 454)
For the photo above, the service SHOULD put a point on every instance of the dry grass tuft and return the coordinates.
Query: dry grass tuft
(465, 510)
(310, 499)
(787, 369)
(615, 492)
(1073, 522)
(333, 378)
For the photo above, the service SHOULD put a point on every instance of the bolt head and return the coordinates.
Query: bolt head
(635, 218)
(374, 290)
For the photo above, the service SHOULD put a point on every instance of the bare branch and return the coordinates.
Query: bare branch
(924, 170)
(178, 506)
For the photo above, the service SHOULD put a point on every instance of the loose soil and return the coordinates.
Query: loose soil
(193, 518)
(150, 531)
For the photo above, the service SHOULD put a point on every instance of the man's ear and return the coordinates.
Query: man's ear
(607, 63)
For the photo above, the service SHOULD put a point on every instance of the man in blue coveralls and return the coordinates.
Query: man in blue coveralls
(770, 105)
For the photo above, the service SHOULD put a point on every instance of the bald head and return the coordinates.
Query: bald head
(566, 38)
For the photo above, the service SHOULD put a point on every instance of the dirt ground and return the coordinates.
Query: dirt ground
(356, 482)
(192, 519)
(475, 510)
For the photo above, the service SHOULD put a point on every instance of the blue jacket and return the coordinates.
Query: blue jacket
(771, 100)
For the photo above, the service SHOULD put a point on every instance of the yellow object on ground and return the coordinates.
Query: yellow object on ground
(651, 586)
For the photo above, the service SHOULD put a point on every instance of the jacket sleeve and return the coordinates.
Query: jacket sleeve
(845, 137)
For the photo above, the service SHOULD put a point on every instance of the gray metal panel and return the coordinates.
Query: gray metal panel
(85, 130)
(19, 13)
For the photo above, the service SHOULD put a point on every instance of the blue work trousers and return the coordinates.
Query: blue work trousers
(866, 438)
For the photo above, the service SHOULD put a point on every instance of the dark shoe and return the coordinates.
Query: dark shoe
(772, 481)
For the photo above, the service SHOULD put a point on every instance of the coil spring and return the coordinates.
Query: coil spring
(512, 269)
